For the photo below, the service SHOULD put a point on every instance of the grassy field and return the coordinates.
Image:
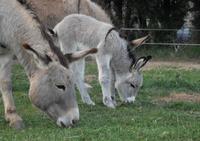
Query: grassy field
(148, 119)
(168, 53)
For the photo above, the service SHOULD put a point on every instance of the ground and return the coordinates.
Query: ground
(167, 108)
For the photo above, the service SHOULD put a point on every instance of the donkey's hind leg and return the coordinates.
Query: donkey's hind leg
(6, 89)
(78, 69)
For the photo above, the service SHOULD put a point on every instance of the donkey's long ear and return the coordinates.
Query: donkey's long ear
(80, 54)
(138, 42)
(52, 33)
(141, 62)
(45, 59)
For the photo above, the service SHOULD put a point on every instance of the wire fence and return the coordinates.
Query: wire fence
(155, 29)
(174, 42)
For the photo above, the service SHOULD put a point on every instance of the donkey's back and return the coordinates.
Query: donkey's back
(81, 29)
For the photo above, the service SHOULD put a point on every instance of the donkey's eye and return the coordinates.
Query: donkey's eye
(62, 87)
(132, 85)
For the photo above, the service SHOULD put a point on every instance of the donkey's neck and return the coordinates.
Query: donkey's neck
(120, 55)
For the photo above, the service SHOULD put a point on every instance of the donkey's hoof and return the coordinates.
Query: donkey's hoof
(115, 102)
(18, 125)
(88, 101)
(108, 102)
(88, 86)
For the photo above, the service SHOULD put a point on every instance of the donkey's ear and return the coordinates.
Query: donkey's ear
(45, 59)
(80, 54)
(51, 32)
(141, 62)
(138, 42)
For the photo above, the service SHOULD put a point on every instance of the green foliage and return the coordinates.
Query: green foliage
(143, 120)
(164, 14)
(168, 13)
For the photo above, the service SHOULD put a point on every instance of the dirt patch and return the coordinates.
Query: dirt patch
(180, 97)
(180, 65)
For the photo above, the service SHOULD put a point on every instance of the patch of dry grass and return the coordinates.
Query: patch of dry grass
(180, 97)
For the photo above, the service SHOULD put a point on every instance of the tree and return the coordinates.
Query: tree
(159, 13)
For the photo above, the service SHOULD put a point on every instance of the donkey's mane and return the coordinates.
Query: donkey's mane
(131, 55)
(45, 35)
(79, 6)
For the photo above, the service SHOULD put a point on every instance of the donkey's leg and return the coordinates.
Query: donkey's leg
(6, 89)
(103, 63)
(79, 69)
(113, 90)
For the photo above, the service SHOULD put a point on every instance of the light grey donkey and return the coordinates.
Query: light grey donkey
(114, 57)
(51, 82)
(137, 79)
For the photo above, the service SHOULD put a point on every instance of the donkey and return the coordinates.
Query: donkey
(114, 57)
(137, 78)
(51, 83)
(52, 12)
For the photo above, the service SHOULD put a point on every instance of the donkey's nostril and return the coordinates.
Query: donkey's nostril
(74, 122)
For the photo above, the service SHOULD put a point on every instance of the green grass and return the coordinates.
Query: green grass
(167, 53)
(144, 120)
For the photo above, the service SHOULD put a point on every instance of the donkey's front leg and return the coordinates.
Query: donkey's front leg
(103, 63)
(6, 89)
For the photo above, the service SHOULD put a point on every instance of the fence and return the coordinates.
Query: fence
(176, 43)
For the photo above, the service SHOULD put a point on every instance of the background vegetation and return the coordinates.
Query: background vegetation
(158, 14)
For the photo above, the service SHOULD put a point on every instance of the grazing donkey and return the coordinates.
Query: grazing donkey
(137, 78)
(51, 82)
(114, 56)
(52, 12)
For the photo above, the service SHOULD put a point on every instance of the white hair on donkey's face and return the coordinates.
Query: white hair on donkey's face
(114, 58)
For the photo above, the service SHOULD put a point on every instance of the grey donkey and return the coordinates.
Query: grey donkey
(51, 82)
(114, 58)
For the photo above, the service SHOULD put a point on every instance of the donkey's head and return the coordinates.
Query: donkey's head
(128, 84)
(52, 87)
(135, 80)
